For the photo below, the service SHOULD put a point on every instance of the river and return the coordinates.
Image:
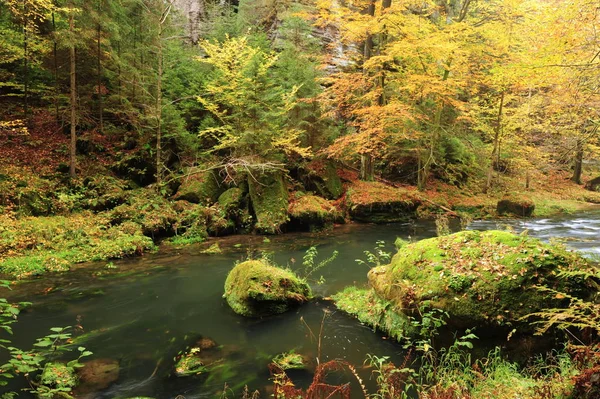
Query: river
(143, 311)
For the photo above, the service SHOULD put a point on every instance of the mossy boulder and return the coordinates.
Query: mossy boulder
(199, 187)
(58, 375)
(103, 192)
(376, 202)
(254, 289)
(269, 197)
(370, 309)
(97, 375)
(291, 361)
(231, 199)
(310, 212)
(514, 205)
(321, 176)
(152, 212)
(198, 358)
(479, 278)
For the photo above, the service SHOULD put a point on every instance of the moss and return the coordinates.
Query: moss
(515, 205)
(153, 213)
(231, 199)
(269, 197)
(370, 309)
(58, 376)
(190, 363)
(313, 212)
(379, 203)
(103, 193)
(199, 187)
(290, 361)
(31, 246)
(213, 249)
(478, 278)
(255, 288)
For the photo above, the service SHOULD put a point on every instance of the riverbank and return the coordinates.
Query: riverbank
(50, 222)
(48, 225)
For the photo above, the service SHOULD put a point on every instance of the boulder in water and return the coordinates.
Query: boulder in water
(512, 205)
(254, 289)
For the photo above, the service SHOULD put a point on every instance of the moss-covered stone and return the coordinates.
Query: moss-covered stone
(312, 212)
(370, 309)
(321, 177)
(290, 361)
(255, 288)
(379, 203)
(478, 278)
(58, 376)
(199, 187)
(190, 363)
(594, 184)
(515, 205)
(152, 212)
(269, 197)
(231, 199)
(103, 192)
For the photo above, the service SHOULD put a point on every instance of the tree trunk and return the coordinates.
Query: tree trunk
(495, 157)
(366, 159)
(55, 62)
(25, 63)
(578, 167)
(99, 71)
(73, 148)
(159, 110)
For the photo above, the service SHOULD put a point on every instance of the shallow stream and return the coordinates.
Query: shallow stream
(144, 311)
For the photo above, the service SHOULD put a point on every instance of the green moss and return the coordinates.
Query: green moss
(290, 360)
(370, 309)
(312, 211)
(190, 363)
(59, 376)
(477, 277)
(269, 197)
(515, 205)
(231, 199)
(255, 288)
(199, 187)
(152, 212)
(31, 246)
(379, 203)
(213, 249)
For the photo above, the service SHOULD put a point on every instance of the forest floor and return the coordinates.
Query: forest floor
(49, 221)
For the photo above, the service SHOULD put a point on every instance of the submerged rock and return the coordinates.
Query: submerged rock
(478, 278)
(379, 203)
(198, 358)
(520, 206)
(97, 375)
(291, 361)
(255, 288)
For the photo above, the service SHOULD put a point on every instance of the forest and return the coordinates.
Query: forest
(153, 127)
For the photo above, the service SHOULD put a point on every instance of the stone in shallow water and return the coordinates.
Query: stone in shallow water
(97, 375)
(255, 288)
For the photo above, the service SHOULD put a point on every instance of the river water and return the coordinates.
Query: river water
(143, 311)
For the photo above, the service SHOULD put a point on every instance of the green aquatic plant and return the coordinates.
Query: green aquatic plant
(378, 257)
(310, 265)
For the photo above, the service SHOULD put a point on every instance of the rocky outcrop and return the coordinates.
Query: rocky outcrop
(194, 12)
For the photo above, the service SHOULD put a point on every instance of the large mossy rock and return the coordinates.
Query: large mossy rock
(321, 177)
(379, 203)
(513, 205)
(255, 288)
(479, 278)
(199, 188)
(269, 197)
(309, 212)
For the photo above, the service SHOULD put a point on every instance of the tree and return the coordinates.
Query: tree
(249, 111)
